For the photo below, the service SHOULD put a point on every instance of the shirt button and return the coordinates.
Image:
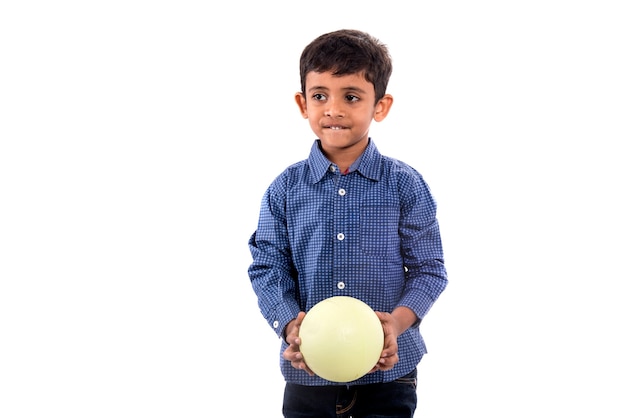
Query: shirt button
(340, 236)
(342, 192)
(341, 285)
(275, 324)
(332, 168)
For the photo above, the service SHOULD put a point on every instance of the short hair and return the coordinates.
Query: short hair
(345, 52)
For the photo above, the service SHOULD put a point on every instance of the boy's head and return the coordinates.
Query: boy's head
(345, 52)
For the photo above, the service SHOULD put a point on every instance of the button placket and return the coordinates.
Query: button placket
(342, 224)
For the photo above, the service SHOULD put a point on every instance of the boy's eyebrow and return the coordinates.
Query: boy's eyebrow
(348, 88)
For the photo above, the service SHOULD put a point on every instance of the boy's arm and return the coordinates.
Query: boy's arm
(422, 251)
(271, 272)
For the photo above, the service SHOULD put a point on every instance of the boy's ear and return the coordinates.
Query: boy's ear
(382, 107)
(301, 102)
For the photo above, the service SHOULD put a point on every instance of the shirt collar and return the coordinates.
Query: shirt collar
(368, 164)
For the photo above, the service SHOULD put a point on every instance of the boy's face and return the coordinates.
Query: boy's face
(340, 109)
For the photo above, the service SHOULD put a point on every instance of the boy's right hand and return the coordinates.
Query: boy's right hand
(292, 352)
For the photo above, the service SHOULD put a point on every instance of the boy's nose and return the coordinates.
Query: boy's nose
(334, 109)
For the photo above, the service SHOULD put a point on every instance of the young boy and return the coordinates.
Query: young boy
(348, 221)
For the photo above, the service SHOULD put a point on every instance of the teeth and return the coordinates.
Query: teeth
(335, 128)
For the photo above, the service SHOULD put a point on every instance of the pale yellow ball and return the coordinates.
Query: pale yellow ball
(341, 339)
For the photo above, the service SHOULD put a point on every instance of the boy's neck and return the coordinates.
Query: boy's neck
(344, 158)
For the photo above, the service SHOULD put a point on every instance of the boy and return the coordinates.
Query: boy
(348, 221)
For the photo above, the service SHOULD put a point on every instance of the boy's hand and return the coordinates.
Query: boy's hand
(292, 352)
(389, 355)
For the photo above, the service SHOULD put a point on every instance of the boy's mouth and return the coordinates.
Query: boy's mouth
(335, 127)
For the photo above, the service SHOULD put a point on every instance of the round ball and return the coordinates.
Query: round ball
(341, 339)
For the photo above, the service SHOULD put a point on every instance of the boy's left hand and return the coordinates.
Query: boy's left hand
(389, 355)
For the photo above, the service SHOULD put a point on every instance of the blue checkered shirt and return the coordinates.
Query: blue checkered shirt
(371, 233)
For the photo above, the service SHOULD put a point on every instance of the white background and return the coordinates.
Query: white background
(136, 140)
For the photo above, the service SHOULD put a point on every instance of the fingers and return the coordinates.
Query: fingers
(301, 365)
(389, 355)
(292, 352)
(294, 356)
(387, 362)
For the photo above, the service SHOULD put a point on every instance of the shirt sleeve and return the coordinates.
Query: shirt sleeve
(272, 272)
(426, 275)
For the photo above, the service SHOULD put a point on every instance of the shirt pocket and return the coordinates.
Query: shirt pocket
(379, 229)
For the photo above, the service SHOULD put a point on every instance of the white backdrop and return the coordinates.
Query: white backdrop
(136, 140)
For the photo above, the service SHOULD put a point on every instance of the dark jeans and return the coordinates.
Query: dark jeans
(397, 399)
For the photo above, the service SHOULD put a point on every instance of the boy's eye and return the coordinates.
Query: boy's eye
(352, 98)
(318, 96)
